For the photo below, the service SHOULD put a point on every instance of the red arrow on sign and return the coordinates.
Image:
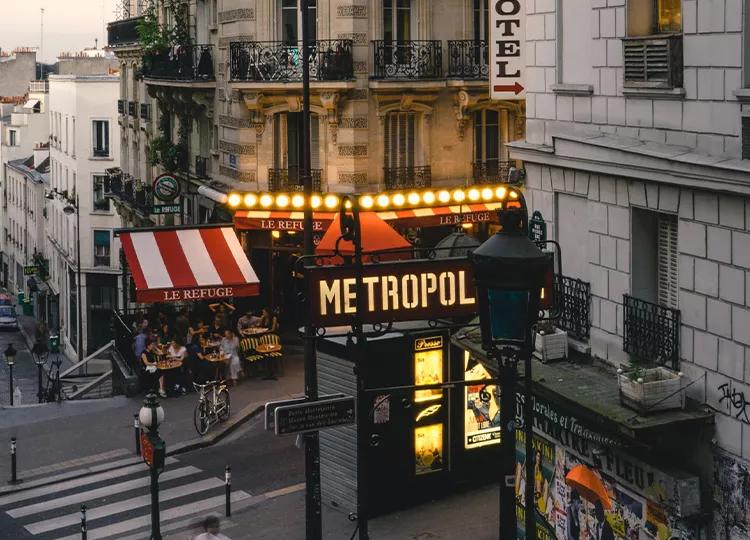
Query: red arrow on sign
(516, 88)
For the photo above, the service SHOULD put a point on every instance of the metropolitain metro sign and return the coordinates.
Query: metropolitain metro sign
(393, 291)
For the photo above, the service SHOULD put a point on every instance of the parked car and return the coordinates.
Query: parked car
(8, 317)
(6, 299)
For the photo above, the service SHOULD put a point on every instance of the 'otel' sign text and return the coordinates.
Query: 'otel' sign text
(507, 35)
(399, 291)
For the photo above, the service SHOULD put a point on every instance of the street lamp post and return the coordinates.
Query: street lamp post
(40, 353)
(150, 416)
(10, 358)
(510, 273)
(70, 208)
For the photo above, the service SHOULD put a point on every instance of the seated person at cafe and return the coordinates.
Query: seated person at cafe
(176, 377)
(152, 375)
(229, 346)
(269, 320)
(217, 328)
(165, 334)
(248, 320)
(224, 311)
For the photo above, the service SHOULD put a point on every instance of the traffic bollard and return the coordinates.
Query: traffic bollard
(83, 522)
(137, 427)
(228, 487)
(13, 477)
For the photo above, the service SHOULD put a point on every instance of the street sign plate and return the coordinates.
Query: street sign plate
(271, 407)
(166, 209)
(29, 270)
(507, 46)
(153, 450)
(314, 415)
(537, 227)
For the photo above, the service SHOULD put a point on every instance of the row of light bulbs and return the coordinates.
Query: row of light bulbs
(381, 201)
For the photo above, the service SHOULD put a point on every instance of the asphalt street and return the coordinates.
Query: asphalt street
(191, 487)
(24, 370)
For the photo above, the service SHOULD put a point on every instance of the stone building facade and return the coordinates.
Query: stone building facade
(641, 172)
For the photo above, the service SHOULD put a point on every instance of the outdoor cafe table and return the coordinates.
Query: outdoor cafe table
(218, 359)
(254, 331)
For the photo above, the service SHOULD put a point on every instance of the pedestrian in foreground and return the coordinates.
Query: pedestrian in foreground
(211, 527)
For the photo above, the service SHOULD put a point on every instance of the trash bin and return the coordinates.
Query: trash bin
(27, 309)
(54, 343)
(21, 297)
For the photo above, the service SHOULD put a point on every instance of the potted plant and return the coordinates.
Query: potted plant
(551, 343)
(646, 387)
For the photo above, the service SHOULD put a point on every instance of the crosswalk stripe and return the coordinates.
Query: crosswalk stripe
(189, 525)
(130, 525)
(78, 482)
(95, 513)
(91, 495)
(59, 466)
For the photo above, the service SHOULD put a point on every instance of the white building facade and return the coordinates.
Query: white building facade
(83, 117)
(636, 152)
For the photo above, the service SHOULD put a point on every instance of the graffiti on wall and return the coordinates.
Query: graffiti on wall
(734, 402)
(732, 498)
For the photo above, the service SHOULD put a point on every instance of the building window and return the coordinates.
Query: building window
(396, 20)
(481, 20)
(488, 145)
(101, 248)
(100, 202)
(655, 262)
(287, 132)
(12, 137)
(649, 17)
(101, 138)
(399, 140)
(746, 137)
(291, 21)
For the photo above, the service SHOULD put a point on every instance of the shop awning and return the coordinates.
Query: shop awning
(377, 235)
(181, 264)
(417, 217)
(30, 104)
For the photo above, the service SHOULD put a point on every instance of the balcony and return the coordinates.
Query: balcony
(408, 59)
(290, 179)
(101, 260)
(407, 177)
(41, 87)
(145, 111)
(187, 63)
(277, 61)
(491, 171)
(121, 106)
(201, 167)
(653, 61)
(652, 332)
(123, 33)
(127, 190)
(575, 297)
(467, 60)
(133, 109)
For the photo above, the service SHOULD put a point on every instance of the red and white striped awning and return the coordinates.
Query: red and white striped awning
(273, 220)
(175, 265)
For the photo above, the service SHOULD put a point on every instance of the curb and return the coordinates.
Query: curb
(250, 411)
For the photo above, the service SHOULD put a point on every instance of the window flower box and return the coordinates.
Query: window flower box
(651, 390)
(551, 345)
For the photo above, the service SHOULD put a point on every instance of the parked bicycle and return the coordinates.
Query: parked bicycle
(212, 406)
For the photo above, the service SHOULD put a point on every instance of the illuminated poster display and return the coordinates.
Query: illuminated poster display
(428, 367)
(428, 449)
(482, 415)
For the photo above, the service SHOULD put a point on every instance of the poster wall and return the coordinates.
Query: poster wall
(482, 425)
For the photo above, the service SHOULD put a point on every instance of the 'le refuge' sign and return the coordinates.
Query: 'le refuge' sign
(399, 291)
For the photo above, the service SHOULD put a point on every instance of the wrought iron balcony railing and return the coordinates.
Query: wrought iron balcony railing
(408, 59)
(267, 61)
(201, 167)
(575, 297)
(194, 63)
(133, 108)
(653, 61)
(407, 177)
(290, 179)
(468, 59)
(652, 332)
(121, 106)
(124, 32)
(127, 190)
(491, 171)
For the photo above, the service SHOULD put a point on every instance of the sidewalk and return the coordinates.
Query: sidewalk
(54, 437)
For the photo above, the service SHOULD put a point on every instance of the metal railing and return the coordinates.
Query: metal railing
(133, 108)
(653, 61)
(468, 59)
(262, 61)
(491, 171)
(575, 297)
(652, 332)
(408, 59)
(129, 191)
(201, 167)
(145, 111)
(407, 177)
(124, 32)
(181, 63)
(41, 87)
(290, 179)
(121, 106)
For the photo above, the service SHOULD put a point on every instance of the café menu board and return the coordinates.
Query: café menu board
(482, 426)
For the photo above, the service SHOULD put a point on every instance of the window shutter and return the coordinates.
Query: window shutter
(389, 121)
(101, 238)
(314, 142)
(667, 261)
(746, 137)
(409, 157)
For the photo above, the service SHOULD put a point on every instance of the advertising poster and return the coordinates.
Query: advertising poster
(428, 368)
(428, 449)
(544, 485)
(482, 425)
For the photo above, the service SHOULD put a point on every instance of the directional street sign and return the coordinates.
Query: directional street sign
(29, 270)
(166, 209)
(507, 49)
(271, 407)
(314, 415)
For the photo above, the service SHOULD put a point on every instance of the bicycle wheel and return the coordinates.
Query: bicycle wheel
(222, 404)
(201, 419)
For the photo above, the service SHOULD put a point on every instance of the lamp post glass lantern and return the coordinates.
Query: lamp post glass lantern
(10, 358)
(511, 272)
(40, 352)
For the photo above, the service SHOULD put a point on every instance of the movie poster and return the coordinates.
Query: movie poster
(482, 425)
(544, 485)
(428, 369)
(428, 448)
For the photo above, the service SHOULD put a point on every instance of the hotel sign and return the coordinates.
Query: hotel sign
(398, 291)
(507, 44)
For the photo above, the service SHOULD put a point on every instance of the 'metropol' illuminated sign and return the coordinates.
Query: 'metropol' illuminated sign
(402, 291)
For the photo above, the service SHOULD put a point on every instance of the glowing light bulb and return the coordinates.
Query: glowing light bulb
(251, 199)
(399, 199)
(467, 225)
(282, 201)
(459, 195)
(474, 194)
(413, 198)
(266, 200)
(276, 234)
(444, 196)
(513, 195)
(500, 192)
(383, 200)
(487, 194)
(331, 201)
(234, 200)
(366, 201)
(316, 201)
(428, 197)
(298, 201)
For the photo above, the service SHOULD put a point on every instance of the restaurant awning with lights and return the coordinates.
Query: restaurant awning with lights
(377, 236)
(279, 220)
(181, 264)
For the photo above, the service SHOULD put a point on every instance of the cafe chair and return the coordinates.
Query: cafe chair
(276, 356)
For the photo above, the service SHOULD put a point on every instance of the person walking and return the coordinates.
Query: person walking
(230, 346)
(211, 528)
